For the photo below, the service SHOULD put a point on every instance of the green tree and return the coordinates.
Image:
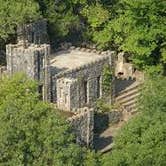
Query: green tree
(31, 131)
(15, 12)
(106, 79)
(137, 27)
(64, 19)
(142, 140)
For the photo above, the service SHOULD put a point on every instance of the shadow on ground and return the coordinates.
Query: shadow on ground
(102, 142)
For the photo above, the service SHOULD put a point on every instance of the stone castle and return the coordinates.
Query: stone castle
(71, 77)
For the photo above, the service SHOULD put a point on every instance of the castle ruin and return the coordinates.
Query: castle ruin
(71, 77)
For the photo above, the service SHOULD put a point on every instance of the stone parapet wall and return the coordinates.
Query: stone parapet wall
(70, 73)
(105, 57)
(83, 125)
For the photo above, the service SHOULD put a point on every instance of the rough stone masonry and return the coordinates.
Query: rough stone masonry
(71, 78)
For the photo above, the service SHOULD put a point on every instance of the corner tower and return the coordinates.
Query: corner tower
(33, 60)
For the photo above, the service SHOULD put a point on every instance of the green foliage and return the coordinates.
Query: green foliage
(136, 27)
(103, 106)
(92, 159)
(106, 80)
(154, 70)
(64, 19)
(31, 131)
(96, 15)
(15, 12)
(142, 140)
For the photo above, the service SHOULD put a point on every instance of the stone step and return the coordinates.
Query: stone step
(134, 111)
(129, 93)
(131, 108)
(130, 103)
(128, 96)
(107, 148)
(129, 90)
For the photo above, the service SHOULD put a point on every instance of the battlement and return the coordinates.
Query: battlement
(20, 59)
(17, 48)
(74, 59)
(68, 47)
(79, 68)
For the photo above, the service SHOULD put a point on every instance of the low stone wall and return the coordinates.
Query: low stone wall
(83, 126)
(115, 116)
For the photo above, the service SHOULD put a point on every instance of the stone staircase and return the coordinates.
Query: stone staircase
(127, 92)
(128, 97)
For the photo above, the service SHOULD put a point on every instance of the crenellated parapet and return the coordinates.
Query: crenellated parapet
(80, 68)
(99, 57)
(20, 59)
(69, 47)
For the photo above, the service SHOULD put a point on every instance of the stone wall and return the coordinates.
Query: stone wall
(83, 125)
(33, 61)
(115, 116)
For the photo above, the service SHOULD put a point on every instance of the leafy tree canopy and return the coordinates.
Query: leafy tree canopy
(15, 12)
(137, 27)
(33, 133)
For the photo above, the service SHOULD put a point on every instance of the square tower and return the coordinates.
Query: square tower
(33, 61)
